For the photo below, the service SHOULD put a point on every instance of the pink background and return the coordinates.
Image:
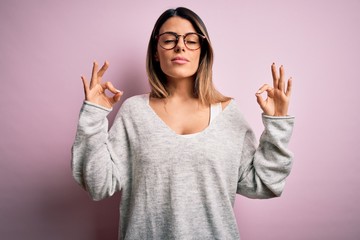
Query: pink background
(47, 45)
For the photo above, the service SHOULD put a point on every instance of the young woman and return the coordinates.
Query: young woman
(181, 153)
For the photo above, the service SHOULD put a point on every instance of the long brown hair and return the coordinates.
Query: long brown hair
(204, 89)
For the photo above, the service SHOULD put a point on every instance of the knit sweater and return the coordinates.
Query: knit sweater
(176, 187)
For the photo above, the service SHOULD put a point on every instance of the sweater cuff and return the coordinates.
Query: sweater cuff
(278, 128)
(97, 106)
(91, 113)
(277, 117)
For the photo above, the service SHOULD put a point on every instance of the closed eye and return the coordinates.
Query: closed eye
(169, 41)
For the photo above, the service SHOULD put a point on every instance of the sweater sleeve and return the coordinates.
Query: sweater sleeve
(95, 165)
(263, 170)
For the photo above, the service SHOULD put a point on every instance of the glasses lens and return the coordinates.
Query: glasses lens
(193, 41)
(167, 41)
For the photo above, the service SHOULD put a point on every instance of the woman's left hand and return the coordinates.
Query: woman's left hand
(277, 101)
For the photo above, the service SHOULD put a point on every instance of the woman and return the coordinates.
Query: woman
(180, 154)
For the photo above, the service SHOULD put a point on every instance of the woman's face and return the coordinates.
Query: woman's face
(179, 62)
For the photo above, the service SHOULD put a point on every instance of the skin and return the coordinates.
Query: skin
(95, 92)
(178, 72)
(278, 98)
(181, 112)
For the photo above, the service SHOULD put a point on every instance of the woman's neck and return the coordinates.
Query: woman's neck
(181, 89)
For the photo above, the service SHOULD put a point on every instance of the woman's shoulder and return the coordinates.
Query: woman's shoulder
(226, 103)
(232, 111)
(136, 100)
(134, 105)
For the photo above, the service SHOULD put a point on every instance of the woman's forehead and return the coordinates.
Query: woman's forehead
(177, 24)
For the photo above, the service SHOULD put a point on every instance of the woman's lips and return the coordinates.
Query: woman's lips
(179, 60)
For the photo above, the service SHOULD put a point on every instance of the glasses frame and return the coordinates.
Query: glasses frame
(177, 36)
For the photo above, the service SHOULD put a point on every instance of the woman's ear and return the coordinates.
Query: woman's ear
(156, 57)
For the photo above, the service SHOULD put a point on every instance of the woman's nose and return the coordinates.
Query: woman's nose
(180, 45)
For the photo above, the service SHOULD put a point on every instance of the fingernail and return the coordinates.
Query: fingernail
(258, 92)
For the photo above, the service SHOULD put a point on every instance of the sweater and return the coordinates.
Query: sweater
(176, 187)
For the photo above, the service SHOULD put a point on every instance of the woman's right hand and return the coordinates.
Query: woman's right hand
(95, 93)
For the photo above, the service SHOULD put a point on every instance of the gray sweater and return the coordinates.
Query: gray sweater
(177, 187)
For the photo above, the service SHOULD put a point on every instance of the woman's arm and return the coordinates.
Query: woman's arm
(96, 167)
(264, 169)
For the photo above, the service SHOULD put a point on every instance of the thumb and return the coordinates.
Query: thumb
(260, 100)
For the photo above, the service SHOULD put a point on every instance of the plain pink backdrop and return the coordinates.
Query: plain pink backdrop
(47, 45)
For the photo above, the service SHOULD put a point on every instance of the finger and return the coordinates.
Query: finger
(260, 101)
(263, 88)
(270, 92)
(117, 97)
(274, 75)
(281, 82)
(94, 79)
(289, 87)
(86, 86)
(103, 69)
(110, 87)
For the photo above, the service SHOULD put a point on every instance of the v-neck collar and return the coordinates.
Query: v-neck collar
(146, 98)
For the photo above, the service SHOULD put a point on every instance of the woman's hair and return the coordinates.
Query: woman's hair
(204, 89)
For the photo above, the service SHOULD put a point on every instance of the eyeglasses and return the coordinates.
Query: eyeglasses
(169, 40)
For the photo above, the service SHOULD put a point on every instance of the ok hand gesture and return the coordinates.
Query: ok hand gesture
(95, 93)
(277, 102)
